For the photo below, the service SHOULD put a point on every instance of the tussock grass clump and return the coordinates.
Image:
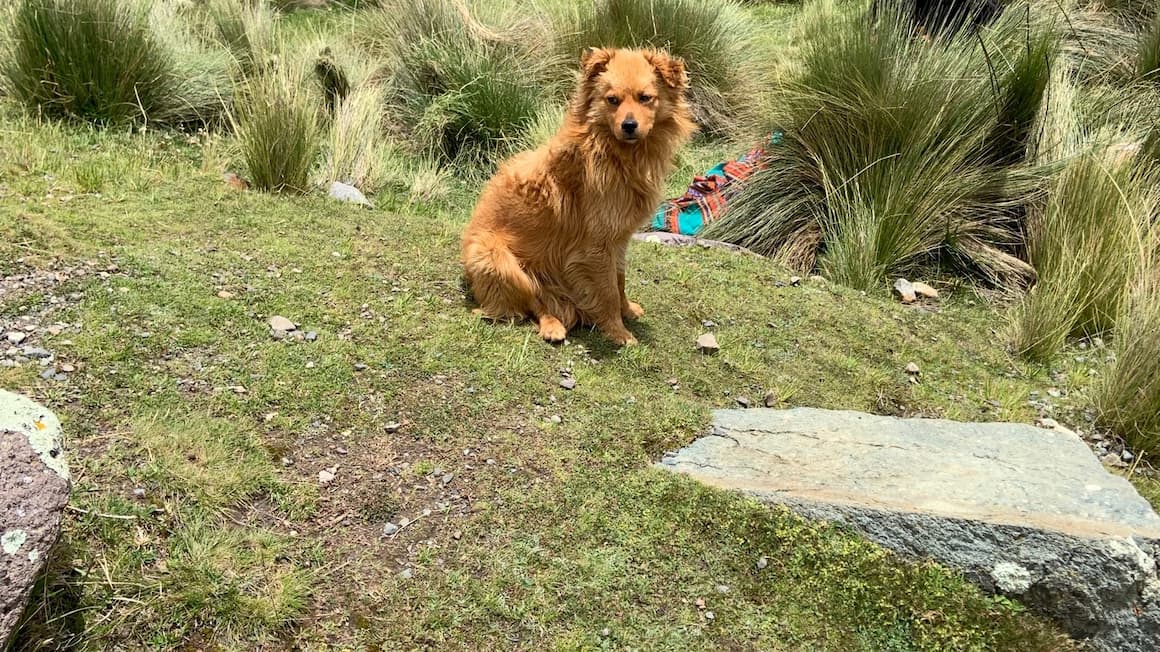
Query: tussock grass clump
(457, 88)
(716, 40)
(1127, 398)
(356, 143)
(106, 61)
(279, 129)
(899, 153)
(244, 27)
(1087, 245)
(1148, 51)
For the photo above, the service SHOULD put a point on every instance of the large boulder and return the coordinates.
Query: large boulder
(1022, 511)
(34, 488)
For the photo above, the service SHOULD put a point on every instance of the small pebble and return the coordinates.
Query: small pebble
(310, 364)
(762, 562)
(722, 588)
(555, 418)
(393, 427)
(447, 478)
(139, 492)
(1127, 455)
(358, 366)
(326, 476)
(568, 383)
(606, 632)
(795, 281)
(311, 336)
(742, 401)
(406, 574)
(709, 615)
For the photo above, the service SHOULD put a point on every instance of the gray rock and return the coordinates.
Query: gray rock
(347, 193)
(311, 336)
(390, 529)
(15, 337)
(678, 240)
(742, 401)
(568, 383)
(34, 489)
(36, 353)
(904, 290)
(1022, 511)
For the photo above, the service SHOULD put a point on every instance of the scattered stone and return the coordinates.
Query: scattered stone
(348, 193)
(1054, 393)
(707, 343)
(139, 492)
(912, 369)
(743, 401)
(358, 366)
(709, 615)
(234, 181)
(392, 427)
(722, 588)
(341, 451)
(606, 632)
(678, 240)
(762, 562)
(556, 419)
(708, 323)
(36, 353)
(34, 490)
(278, 335)
(47, 374)
(795, 281)
(326, 476)
(924, 290)
(280, 323)
(15, 337)
(406, 574)
(457, 535)
(68, 368)
(390, 529)
(309, 364)
(1111, 459)
(447, 478)
(568, 383)
(770, 399)
(225, 294)
(904, 290)
(1041, 521)
(700, 603)
(311, 336)
(1127, 455)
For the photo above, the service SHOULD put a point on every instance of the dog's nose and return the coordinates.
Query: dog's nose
(628, 127)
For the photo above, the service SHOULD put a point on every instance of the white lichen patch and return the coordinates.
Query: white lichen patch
(1011, 578)
(33, 556)
(11, 541)
(20, 414)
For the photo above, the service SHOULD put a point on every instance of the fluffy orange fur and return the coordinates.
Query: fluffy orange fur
(547, 239)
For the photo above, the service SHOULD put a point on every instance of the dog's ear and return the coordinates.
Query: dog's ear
(594, 61)
(670, 69)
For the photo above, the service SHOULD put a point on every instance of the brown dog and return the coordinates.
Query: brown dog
(548, 236)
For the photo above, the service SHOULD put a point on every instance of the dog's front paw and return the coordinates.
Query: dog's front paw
(623, 339)
(632, 310)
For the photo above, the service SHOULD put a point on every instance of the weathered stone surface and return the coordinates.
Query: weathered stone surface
(34, 486)
(904, 291)
(1022, 511)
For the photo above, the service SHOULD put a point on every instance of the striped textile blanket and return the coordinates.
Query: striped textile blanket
(708, 195)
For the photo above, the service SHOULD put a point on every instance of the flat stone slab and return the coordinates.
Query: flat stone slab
(1022, 511)
(34, 489)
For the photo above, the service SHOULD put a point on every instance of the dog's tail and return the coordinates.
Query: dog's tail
(500, 285)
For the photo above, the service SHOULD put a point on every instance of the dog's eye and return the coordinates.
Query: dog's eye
(613, 100)
(645, 98)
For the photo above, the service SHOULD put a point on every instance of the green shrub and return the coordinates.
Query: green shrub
(107, 61)
(456, 88)
(899, 153)
(716, 40)
(279, 129)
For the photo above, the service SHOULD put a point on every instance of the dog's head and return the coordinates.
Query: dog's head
(629, 92)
